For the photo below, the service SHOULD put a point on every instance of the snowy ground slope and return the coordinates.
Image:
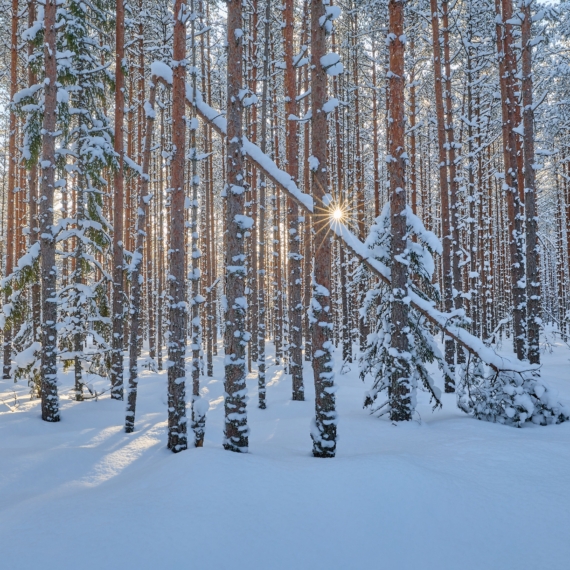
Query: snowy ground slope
(449, 493)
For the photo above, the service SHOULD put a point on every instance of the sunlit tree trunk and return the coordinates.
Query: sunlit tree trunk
(50, 400)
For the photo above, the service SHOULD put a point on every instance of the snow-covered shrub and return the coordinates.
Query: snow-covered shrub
(379, 359)
(508, 397)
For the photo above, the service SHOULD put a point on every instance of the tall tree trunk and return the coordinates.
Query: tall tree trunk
(198, 411)
(453, 186)
(118, 205)
(444, 192)
(507, 72)
(323, 431)
(177, 428)
(50, 400)
(295, 257)
(236, 337)
(531, 214)
(12, 173)
(262, 326)
(400, 390)
(138, 264)
(33, 196)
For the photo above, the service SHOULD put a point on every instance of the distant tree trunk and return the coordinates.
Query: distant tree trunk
(453, 185)
(400, 393)
(138, 264)
(254, 271)
(533, 294)
(323, 431)
(118, 210)
(507, 72)
(10, 221)
(198, 412)
(262, 323)
(177, 428)
(444, 191)
(50, 400)
(375, 135)
(295, 257)
(236, 337)
(33, 186)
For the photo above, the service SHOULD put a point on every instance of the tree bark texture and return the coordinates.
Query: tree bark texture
(177, 421)
(323, 431)
(50, 400)
(235, 337)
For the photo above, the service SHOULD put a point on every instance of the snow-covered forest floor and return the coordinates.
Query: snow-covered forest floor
(443, 492)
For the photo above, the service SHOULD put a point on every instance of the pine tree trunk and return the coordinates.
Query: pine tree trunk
(453, 186)
(444, 192)
(262, 324)
(50, 400)
(198, 413)
(507, 72)
(236, 337)
(12, 166)
(531, 214)
(33, 198)
(118, 211)
(177, 428)
(323, 431)
(138, 263)
(295, 257)
(400, 389)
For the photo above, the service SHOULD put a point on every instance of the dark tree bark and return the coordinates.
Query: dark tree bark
(400, 392)
(177, 428)
(295, 257)
(10, 221)
(118, 210)
(507, 73)
(50, 400)
(198, 412)
(446, 214)
(323, 432)
(533, 293)
(236, 337)
(33, 186)
(138, 264)
(262, 320)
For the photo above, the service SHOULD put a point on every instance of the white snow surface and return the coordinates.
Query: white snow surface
(443, 492)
